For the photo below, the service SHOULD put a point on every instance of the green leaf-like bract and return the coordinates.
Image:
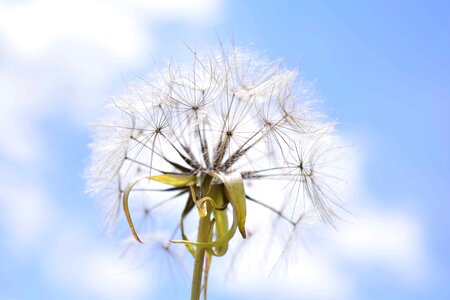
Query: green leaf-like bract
(174, 180)
(234, 187)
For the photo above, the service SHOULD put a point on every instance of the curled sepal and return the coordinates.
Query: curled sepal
(220, 221)
(201, 205)
(217, 243)
(174, 180)
(234, 187)
(126, 194)
(219, 250)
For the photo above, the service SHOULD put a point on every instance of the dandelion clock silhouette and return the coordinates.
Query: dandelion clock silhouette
(216, 152)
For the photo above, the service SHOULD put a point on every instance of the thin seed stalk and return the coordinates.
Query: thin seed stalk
(202, 236)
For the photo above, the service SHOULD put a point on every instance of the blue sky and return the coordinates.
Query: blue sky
(380, 68)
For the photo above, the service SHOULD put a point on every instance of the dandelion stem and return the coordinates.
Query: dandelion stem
(202, 236)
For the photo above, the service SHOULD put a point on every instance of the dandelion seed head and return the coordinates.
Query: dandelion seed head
(227, 110)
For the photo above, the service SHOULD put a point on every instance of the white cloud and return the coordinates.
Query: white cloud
(68, 254)
(79, 263)
(328, 265)
(116, 27)
(19, 134)
(26, 217)
(64, 55)
(390, 240)
(304, 275)
(380, 238)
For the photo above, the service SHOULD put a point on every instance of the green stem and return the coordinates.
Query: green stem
(202, 236)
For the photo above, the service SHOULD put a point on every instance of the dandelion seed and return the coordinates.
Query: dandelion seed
(216, 133)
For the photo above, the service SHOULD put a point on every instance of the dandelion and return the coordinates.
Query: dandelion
(216, 135)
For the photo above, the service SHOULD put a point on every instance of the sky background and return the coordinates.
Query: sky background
(381, 69)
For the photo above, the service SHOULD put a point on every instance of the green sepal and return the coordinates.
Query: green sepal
(217, 192)
(234, 187)
(219, 242)
(174, 180)
(187, 208)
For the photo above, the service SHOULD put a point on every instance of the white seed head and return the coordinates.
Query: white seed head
(226, 111)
